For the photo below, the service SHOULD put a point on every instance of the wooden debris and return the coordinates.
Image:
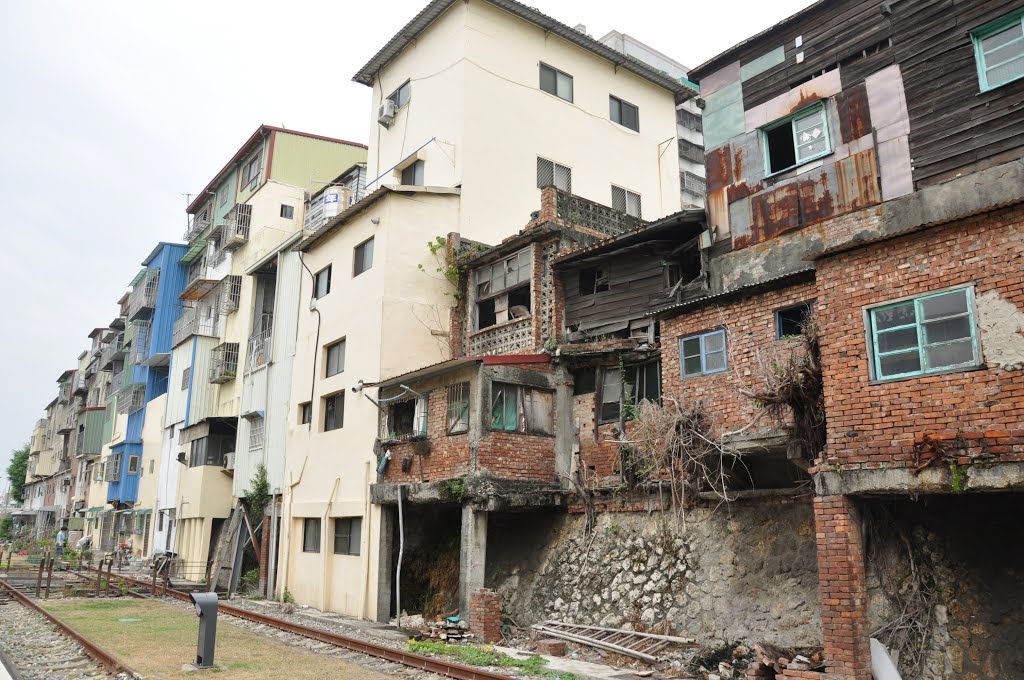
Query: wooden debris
(781, 658)
(642, 646)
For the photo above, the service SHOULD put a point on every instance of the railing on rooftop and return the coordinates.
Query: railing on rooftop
(594, 216)
(142, 299)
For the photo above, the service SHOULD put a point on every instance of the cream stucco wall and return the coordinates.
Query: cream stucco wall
(475, 92)
(386, 316)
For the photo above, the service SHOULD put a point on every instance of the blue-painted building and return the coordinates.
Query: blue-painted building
(153, 307)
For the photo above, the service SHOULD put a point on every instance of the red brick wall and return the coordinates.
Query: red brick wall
(514, 455)
(485, 615)
(877, 425)
(449, 455)
(750, 324)
(601, 457)
(843, 588)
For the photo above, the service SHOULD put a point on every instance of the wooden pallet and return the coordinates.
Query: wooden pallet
(643, 646)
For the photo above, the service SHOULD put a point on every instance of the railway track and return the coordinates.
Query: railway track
(391, 655)
(35, 645)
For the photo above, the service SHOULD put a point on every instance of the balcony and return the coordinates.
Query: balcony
(195, 321)
(113, 351)
(197, 225)
(68, 422)
(260, 344)
(140, 345)
(131, 398)
(224, 363)
(117, 381)
(231, 293)
(142, 299)
(235, 233)
(199, 283)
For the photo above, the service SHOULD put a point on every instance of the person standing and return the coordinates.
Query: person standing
(62, 539)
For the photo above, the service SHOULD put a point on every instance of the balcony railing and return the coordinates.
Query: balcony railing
(231, 293)
(197, 225)
(64, 392)
(236, 227)
(131, 398)
(193, 321)
(224, 363)
(118, 380)
(140, 346)
(600, 218)
(260, 344)
(143, 296)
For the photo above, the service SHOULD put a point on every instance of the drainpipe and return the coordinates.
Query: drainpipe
(401, 549)
(365, 540)
(323, 545)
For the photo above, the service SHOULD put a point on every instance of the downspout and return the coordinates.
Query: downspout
(323, 545)
(401, 549)
(365, 539)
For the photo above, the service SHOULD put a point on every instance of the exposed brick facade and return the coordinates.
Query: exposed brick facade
(876, 425)
(485, 615)
(516, 455)
(441, 456)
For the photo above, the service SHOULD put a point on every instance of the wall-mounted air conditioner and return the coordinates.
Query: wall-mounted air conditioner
(229, 461)
(386, 113)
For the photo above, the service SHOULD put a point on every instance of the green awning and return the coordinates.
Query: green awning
(194, 251)
(138, 277)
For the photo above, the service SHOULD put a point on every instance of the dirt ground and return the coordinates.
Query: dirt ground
(156, 639)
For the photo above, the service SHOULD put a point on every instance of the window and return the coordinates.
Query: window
(584, 380)
(322, 282)
(413, 174)
(151, 462)
(694, 183)
(702, 354)
(924, 335)
(691, 151)
(100, 469)
(625, 201)
(515, 408)
(287, 211)
(407, 419)
(222, 195)
(251, 172)
(593, 280)
(792, 320)
(347, 531)
(335, 358)
(114, 468)
(689, 120)
(642, 382)
(795, 140)
(311, 534)
(133, 465)
(211, 450)
(256, 432)
(306, 413)
(550, 173)
(624, 113)
(186, 375)
(362, 257)
(334, 411)
(556, 82)
(999, 51)
(458, 408)
(401, 96)
(503, 290)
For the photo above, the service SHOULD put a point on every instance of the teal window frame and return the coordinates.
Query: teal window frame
(703, 338)
(988, 30)
(788, 120)
(919, 324)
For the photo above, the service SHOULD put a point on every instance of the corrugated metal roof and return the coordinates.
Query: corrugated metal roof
(440, 367)
(764, 283)
(435, 9)
(650, 229)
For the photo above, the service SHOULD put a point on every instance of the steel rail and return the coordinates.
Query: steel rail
(426, 663)
(94, 651)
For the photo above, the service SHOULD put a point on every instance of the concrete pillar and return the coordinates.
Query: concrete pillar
(385, 565)
(473, 555)
(843, 587)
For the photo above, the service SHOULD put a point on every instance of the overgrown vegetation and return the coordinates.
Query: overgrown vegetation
(16, 471)
(257, 496)
(430, 579)
(929, 451)
(452, 267)
(248, 583)
(487, 656)
(454, 489)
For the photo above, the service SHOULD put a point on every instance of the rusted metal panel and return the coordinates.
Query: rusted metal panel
(817, 195)
(853, 112)
(718, 211)
(775, 211)
(740, 223)
(857, 182)
(718, 167)
(747, 161)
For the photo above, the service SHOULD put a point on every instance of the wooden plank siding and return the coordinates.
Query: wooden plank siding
(636, 279)
(953, 125)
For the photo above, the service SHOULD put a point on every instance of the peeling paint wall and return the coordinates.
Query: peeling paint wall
(1002, 331)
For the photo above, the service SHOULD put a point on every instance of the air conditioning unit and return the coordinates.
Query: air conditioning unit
(386, 113)
(229, 461)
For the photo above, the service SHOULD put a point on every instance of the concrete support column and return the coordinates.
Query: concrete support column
(473, 555)
(385, 563)
(264, 555)
(843, 587)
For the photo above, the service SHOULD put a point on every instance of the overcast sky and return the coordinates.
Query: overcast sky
(112, 111)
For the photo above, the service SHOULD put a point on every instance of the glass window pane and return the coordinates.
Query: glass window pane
(943, 305)
(897, 364)
(999, 39)
(630, 116)
(810, 135)
(1005, 53)
(948, 329)
(547, 79)
(714, 342)
(897, 315)
(953, 354)
(891, 341)
(614, 110)
(691, 366)
(691, 347)
(714, 361)
(564, 87)
(1004, 73)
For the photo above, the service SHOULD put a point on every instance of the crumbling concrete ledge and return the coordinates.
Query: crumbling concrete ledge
(987, 476)
(482, 491)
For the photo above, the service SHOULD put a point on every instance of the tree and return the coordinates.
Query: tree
(16, 472)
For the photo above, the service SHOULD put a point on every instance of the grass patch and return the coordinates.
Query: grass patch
(487, 656)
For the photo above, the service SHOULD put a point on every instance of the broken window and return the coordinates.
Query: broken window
(924, 335)
(515, 408)
(458, 408)
(347, 532)
(999, 51)
(584, 380)
(797, 139)
(311, 534)
(625, 201)
(553, 174)
(702, 354)
(593, 280)
(792, 320)
(407, 418)
(556, 82)
(503, 290)
(628, 386)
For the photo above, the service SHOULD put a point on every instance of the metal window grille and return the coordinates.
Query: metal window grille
(114, 468)
(140, 345)
(142, 299)
(694, 183)
(236, 227)
(458, 408)
(186, 375)
(224, 362)
(232, 293)
(260, 343)
(690, 151)
(256, 433)
(626, 201)
(689, 120)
